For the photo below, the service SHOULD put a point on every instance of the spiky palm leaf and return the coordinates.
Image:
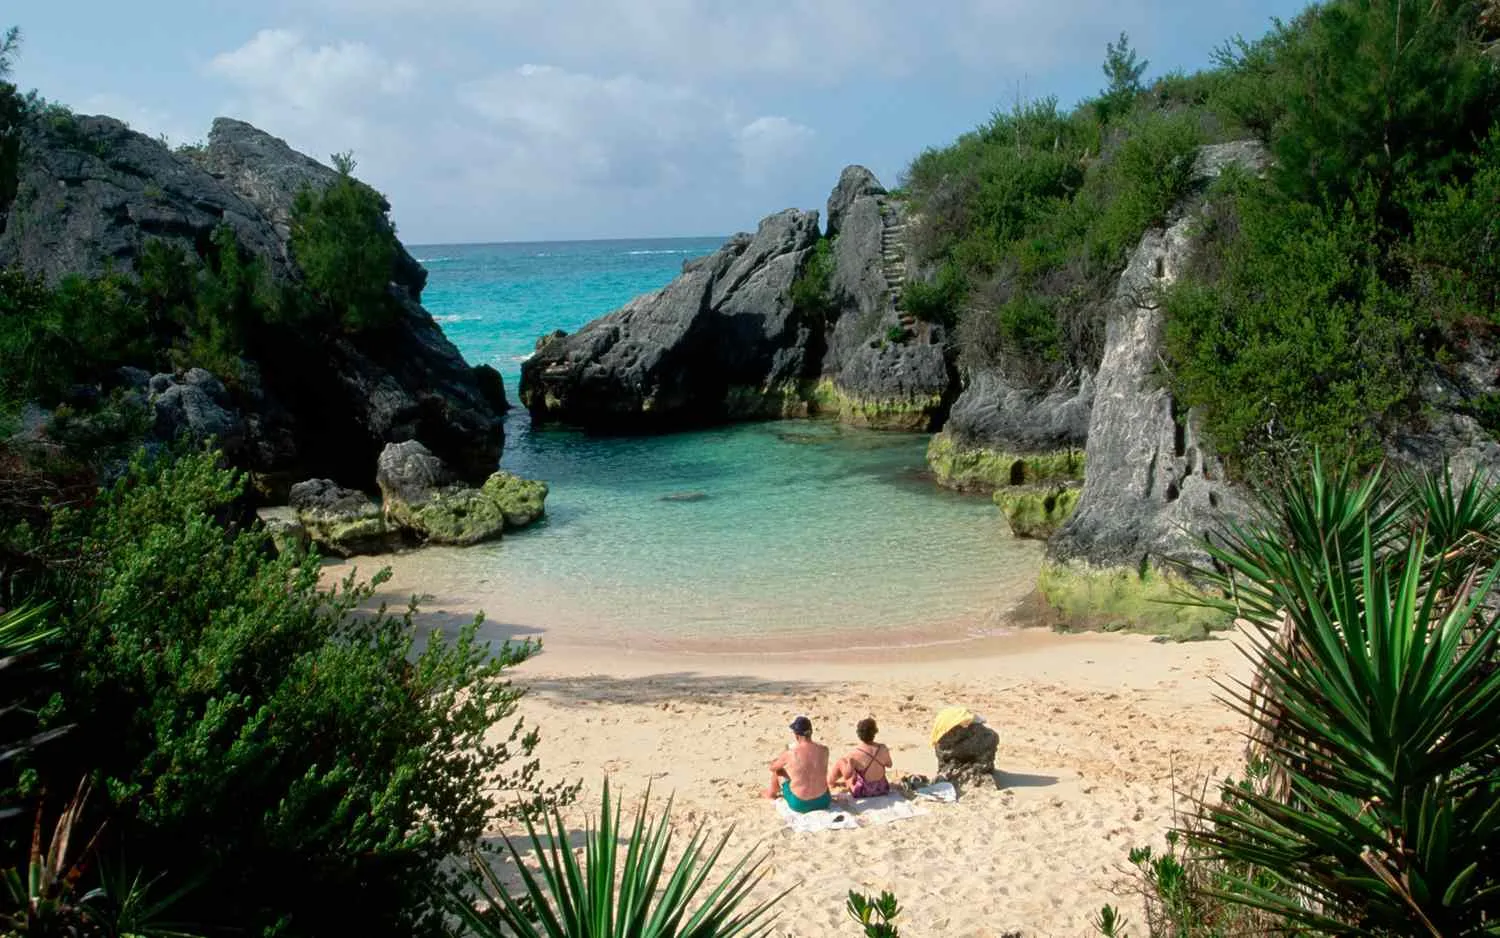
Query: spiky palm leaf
(604, 898)
(24, 633)
(1385, 721)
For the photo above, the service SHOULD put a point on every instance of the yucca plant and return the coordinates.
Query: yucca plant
(48, 895)
(1384, 710)
(24, 634)
(603, 897)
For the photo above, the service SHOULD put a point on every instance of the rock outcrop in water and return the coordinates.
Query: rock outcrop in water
(772, 324)
(422, 501)
(92, 193)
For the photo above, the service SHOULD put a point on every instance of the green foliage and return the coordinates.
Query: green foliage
(53, 338)
(937, 300)
(876, 915)
(605, 898)
(57, 892)
(1030, 217)
(25, 639)
(302, 760)
(345, 244)
(1301, 340)
(1379, 700)
(1124, 72)
(1355, 90)
(810, 290)
(13, 112)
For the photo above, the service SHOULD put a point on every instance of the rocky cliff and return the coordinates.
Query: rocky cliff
(1153, 487)
(92, 193)
(784, 322)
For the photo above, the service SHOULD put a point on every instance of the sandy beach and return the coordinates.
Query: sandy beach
(1097, 733)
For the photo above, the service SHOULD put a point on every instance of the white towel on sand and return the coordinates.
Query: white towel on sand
(941, 791)
(847, 815)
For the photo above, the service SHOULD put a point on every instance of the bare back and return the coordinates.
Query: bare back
(806, 768)
(869, 761)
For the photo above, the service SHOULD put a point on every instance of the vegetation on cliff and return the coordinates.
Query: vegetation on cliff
(1319, 294)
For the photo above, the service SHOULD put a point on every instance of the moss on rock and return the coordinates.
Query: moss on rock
(1036, 511)
(978, 468)
(913, 414)
(1113, 599)
(458, 515)
(520, 501)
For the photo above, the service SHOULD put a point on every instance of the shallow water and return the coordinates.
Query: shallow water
(787, 533)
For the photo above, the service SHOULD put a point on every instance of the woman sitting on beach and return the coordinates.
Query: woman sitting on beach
(863, 769)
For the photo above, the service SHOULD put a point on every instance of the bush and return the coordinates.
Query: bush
(1301, 341)
(301, 762)
(345, 244)
(1377, 706)
(937, 300)
(810, 290)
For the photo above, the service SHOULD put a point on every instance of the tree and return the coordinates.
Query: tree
(9, 46)
(344, 243)
(1124, 72)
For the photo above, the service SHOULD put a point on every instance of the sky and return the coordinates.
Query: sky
(531, 120)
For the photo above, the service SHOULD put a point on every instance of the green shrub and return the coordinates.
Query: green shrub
(305, 764)
(53, 338)
(345, 245)
(1301, 341)
(937, 300)
(810, 290)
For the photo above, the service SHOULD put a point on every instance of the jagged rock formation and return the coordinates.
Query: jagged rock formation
(1153, 485)
(725, 341)
(91, 193)
(883, 367)
(966, 754)
(344, 521)
(722, 341)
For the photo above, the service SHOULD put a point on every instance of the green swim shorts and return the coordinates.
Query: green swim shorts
(819, 803)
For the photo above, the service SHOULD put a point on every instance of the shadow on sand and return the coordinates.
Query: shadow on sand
(665, 688)
(1005, 779)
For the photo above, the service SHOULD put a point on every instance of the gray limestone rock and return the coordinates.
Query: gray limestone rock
(998, 413)
(966, 754)
(680, 355)
(92, 193)
(343, 520)
(855, 183)
(1153, 487)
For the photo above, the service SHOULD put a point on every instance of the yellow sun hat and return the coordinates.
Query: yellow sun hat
(949, 718)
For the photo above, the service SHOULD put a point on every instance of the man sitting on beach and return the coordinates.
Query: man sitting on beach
(802, 771)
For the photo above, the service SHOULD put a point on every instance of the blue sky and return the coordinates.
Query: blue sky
(491, 120)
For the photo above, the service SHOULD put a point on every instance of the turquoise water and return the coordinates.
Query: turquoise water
(759, 532)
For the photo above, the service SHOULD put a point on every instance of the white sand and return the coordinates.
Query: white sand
(1094, 732)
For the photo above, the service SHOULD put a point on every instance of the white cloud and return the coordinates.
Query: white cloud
(325, 98)
(553, 128)
(280, 69)
(768, 144)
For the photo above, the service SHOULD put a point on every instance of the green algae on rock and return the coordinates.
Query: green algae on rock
(456, 515)
(913, 414)
(1115, 599)
(980, 468)
(520, 501)
(1036, 511)
(343, 520)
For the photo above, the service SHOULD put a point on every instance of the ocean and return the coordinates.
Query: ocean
(781, 534)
